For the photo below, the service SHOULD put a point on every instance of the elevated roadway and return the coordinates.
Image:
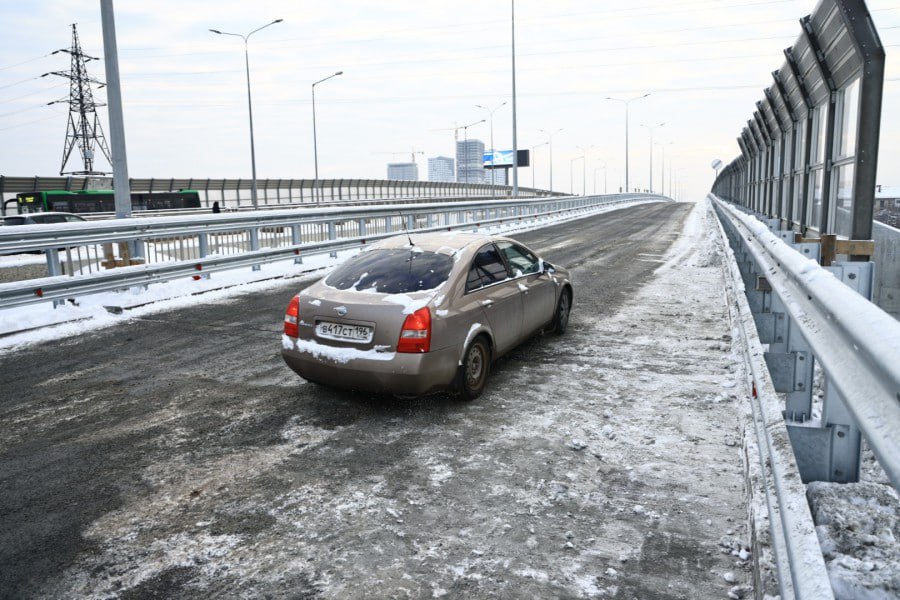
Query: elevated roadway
(176, 456)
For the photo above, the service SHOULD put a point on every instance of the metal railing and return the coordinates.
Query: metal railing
(799, 565)
(807, 314)
(803, 314)
(235, 193)
(148, 250)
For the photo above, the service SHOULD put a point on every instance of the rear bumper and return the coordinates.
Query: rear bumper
(388, 372)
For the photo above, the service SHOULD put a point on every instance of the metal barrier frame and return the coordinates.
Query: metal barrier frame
(228, 192)
(809, 155)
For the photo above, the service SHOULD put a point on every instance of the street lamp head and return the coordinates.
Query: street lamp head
(277, 21)
(338, 73)
(216, 31)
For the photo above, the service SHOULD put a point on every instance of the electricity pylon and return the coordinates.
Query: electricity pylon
(84, 128)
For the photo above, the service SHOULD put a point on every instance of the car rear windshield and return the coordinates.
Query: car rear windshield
(392, 271)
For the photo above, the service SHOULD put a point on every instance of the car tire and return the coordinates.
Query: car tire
(473, 372)
(563, 310)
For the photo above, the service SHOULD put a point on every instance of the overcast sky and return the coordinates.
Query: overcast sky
(412, 71)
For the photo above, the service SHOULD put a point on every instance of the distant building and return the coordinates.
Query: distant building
(440, 168)
(500, 176)
(407, 171)
(887, 205)
(470, 161)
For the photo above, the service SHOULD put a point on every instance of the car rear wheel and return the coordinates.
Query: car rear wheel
(474, 370)
(563, 309)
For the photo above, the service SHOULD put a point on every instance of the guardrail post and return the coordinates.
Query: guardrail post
(138, 250)
(296, 241)
(844, 436)
(362, 227)
(203, 250)
(410, 222)
(332, 235)
(429, 222)
(254, 243)
(53, 268)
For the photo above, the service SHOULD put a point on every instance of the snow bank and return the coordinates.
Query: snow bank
(859, 533)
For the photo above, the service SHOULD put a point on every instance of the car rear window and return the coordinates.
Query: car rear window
(42, 219)
(392, 271)
(14, 221)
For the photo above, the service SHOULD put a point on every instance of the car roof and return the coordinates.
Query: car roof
(42, 214)
(50, 212)
(435, 241)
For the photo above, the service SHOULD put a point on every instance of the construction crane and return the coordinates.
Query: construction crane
(412, 154)
(455, 129)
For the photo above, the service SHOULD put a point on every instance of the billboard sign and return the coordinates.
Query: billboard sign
(503, 159)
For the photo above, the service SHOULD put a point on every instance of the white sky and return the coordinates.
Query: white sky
(412, 69)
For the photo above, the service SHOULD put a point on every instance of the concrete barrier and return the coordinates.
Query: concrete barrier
(887, 268)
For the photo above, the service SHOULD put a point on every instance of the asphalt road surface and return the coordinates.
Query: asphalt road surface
(176, 456)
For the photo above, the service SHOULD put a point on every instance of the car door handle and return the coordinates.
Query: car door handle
(487, 303)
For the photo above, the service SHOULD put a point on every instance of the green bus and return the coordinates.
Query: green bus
(92, 201)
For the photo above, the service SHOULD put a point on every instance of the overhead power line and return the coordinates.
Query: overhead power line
(25, 62)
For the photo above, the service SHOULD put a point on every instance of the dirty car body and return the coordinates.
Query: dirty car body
(414, 314)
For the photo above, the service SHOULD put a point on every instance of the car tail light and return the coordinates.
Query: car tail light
(291, 317)
(416, 333)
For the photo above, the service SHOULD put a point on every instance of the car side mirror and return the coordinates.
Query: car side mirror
(547, 267)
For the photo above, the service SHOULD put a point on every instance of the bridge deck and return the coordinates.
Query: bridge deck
(175, 455)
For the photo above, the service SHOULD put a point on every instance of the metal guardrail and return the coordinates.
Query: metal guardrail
(333, 229)
(799, 565)
(236, 193)
(809, 315)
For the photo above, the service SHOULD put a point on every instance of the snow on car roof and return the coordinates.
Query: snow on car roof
(444, 242)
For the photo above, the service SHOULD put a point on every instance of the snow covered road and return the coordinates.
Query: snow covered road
(176, 456)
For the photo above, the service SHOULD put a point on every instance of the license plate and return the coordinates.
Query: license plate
(339, 331)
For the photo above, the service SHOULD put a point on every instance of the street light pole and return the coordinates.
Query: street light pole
(604, 178)
(651, 128)
(533, 162)
(626, 102)
(249, 102)
(514, 138)
(491, 113)
(662, 168)
(584, 152)
(572, 170)
(550, 141)
(315, 141)
(122, 191)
